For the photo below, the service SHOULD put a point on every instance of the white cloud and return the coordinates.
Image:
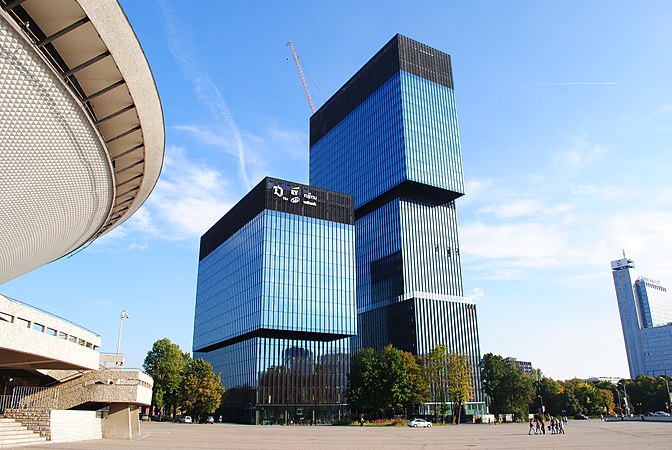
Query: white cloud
(523, 208)
(188, 199)
(521, 239)
(579, 154)
(190, 196)
(525, 244)
(476, 294)
(474, 189)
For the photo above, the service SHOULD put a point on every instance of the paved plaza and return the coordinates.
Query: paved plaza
(588, 434)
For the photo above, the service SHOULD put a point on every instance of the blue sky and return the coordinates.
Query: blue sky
(565, 114)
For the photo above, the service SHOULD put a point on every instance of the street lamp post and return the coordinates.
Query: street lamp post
(541, 399)
(625, 399)
(620, 404)
(123, 315)
(669, 397)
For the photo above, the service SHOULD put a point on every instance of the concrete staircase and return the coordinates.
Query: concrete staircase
(35, 419)
(14, 434)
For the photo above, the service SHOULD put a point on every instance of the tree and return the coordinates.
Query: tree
(492, 378)
(550, 391)
(460, 389)
(510, 389)
(202, 389)
(584, 397)
(363, 383)
(395, 386)
(386, 383)
(436, 368)
(164, 363)
(419, 387)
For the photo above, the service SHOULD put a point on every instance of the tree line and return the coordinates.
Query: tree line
(511, 391)
(181, 384)
(396, 382)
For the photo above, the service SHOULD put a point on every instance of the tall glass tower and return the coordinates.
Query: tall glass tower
(389, 137)
(275, 303)
(646, 320)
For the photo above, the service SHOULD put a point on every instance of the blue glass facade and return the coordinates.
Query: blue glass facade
(645, 318)
(275, 302)
(385, 140)
(390, 138)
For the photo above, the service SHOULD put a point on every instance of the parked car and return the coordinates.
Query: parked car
(422, 423)
(144, 417)
(661, 414)
(580, 417)
(207, 419)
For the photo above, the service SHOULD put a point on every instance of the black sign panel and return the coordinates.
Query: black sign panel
(283, 196)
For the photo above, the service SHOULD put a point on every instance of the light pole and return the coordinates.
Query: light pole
(669, 397)
(625, 399)
(620, 404)
(123, 315)
(541, 399)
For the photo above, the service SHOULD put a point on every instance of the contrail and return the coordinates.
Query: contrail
(207, 92)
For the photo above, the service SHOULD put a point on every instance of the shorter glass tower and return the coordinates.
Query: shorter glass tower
(275, 303)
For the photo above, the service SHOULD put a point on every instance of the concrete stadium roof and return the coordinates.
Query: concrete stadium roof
(104, 102)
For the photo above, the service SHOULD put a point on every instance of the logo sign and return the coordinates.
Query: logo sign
(297, 194)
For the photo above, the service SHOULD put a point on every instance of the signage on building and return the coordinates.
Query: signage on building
(295, 194)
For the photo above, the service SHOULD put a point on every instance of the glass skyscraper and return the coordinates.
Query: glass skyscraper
(646, 320)
(390, 138)
(275, 303)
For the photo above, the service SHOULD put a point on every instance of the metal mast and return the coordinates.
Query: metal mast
(303, 79)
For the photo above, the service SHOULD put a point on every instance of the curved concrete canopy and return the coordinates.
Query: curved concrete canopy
(81, 128)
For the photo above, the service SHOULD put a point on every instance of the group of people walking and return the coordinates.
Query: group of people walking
(556, 425)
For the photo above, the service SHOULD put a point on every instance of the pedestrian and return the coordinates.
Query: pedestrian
(361, 421)
(561, 427)
(537, 429)
(531, 428)
(543, 425)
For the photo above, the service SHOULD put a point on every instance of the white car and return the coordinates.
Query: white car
(661, 414)
(422, 423)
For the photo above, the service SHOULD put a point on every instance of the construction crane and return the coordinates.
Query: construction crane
(303, 79)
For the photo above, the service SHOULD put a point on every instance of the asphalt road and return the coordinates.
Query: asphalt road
(589, 434)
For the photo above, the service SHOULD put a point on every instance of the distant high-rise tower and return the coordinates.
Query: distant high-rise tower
(645, 318)
(389, 137)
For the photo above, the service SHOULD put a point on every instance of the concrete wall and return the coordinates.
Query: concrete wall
(122, 422)
(36, 339)
(68, 426)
